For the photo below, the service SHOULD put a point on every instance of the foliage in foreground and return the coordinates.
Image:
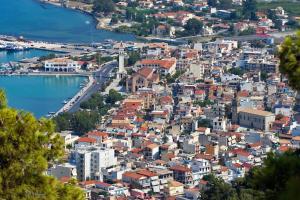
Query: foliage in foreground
(279, 178)
(27, 146)
(289, 54)
(87, 119)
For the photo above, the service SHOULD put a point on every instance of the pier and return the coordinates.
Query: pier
(74, 49)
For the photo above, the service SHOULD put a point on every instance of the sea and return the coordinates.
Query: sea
(41, 21)
(34, 20)
(40, 94)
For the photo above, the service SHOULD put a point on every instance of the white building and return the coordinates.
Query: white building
(219, 123)
(63, 170)
(200, 168)
(90, 161)
(121, 71)
(68, 138)
(61, 65)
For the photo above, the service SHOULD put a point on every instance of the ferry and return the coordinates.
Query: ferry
(14, 47)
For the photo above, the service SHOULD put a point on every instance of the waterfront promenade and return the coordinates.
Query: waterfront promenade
(70, 103)
(101, 77)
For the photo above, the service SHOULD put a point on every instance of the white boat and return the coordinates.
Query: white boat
(65, 102)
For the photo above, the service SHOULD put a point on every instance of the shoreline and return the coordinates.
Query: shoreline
(49, 74)
(98, 22)
(98, 25)
(66, 107)
(70, 102)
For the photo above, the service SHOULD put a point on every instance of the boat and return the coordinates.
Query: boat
(51, 113)
(65, 102)
(14, 47)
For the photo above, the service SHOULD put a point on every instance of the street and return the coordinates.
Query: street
(101, 77)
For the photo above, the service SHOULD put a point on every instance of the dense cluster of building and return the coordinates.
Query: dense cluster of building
(172, 16)
(227, 109)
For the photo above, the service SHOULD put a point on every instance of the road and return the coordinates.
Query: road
(101, 77)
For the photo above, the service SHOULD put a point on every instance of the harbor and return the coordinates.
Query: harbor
(41, 94)
(69, 103)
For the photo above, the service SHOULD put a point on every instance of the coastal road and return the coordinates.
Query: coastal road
(101, 76)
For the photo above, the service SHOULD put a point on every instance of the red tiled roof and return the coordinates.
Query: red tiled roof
(87, 140)
(133, 175)
(180, 168)
(167, 64)
(97, 133)
(146, 72)
(146, 172)
(199, 92)
(166, 99)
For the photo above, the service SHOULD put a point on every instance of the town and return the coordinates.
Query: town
(172, 115)
(185, 113)
(169, 19)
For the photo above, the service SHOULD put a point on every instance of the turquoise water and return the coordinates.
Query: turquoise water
(12, 56)
(39, 94)
(37, 21)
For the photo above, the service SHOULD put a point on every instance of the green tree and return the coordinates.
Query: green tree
(263, 76)
(217, 189)
(212, 3)
(225, 4)
(279, 178)
(249, 9)
(113, 97)
(133, 58)
(289, 54)
(63, 121)
(27, 146)
(193, 26)
(105, 6)
(95, 102)
(3, 101)
(114, 19)
(236, 71)
(204, 103)
(84, 121)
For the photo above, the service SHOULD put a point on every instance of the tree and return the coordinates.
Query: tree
(84, 121)
(263, 76)
(133, 58)
(217, 189)
(225, 4)
(212, 3)
(27, 146)
(289, 54)
(279, 177)
(3, 101)
(113, 97)
(204, 123)
(249, 9)
(63, 121)
(114, 19)
(105, 6)
(193, 26)
(236, 71)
